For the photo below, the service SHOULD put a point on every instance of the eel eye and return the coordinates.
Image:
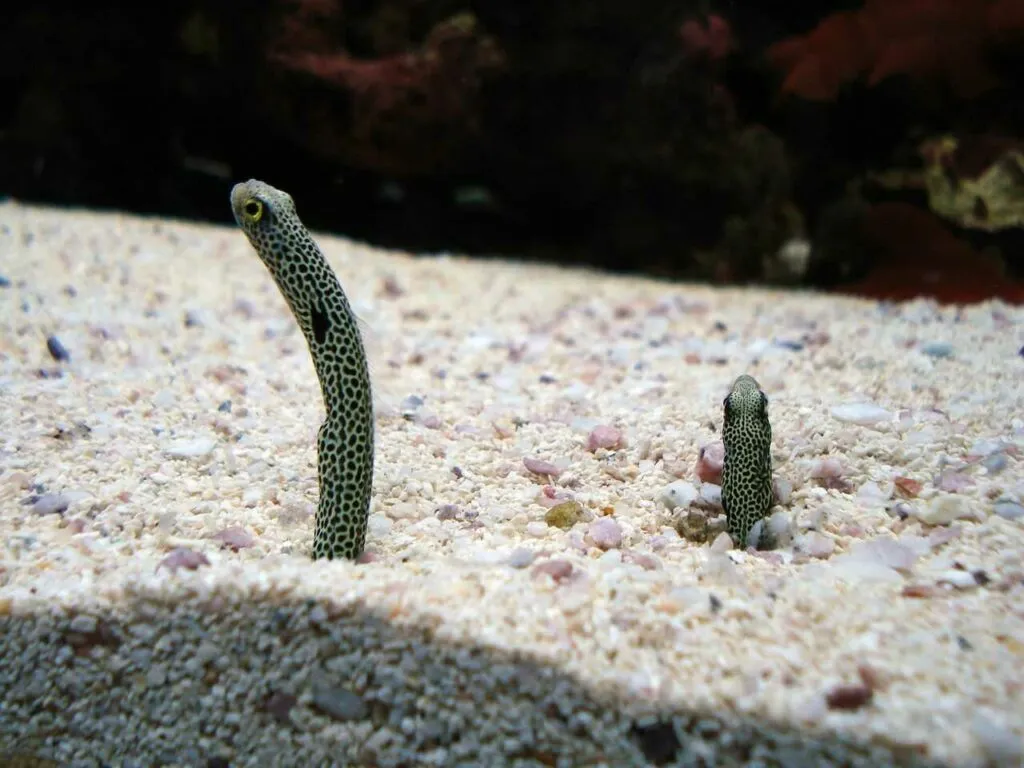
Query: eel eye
(253, 209)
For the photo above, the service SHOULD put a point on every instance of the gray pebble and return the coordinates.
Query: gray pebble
(51, 504)
(84, 624)
(520, 557)
(338, 703)
(940, 349)
(1009, 510)
(995, 462)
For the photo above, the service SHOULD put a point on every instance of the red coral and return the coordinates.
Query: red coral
(376, 113)
(712, 40)
(918, 255)
(947, 39)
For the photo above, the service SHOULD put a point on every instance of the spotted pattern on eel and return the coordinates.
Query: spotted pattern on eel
(747, 494)
(345, 442)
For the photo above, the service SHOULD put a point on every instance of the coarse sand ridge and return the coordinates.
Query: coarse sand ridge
(157, 601)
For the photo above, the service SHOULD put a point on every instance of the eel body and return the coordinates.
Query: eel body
(345, 442)
(747, 494)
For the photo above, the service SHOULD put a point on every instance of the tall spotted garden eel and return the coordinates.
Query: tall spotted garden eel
(747, 494)
(345, 442)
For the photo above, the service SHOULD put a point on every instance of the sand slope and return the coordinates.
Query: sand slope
(182, 428)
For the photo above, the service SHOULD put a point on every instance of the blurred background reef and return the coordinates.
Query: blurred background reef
(874, 146)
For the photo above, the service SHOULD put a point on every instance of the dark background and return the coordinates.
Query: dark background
(685, 139)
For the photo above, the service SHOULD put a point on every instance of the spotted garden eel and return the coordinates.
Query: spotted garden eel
(345, 442)
(747, 493)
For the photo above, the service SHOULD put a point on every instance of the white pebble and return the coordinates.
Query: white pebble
(816, 544)
(780, 528)
(958, 579)
(722, 543)
(872, 491)
(378, 526)
(864, 414)
(537, 529)
(855, 569)
(943, 510)
(1000, 743)
(679, 494)
(711, 494)
(884, 551)
(190, 448)
(402, 511)
(783, 490)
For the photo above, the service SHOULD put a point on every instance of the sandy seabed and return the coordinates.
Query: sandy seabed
(157, 601)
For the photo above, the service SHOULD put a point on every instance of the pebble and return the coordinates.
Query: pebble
(939, 349)
(863, 414)
(51, 504)
(872, 491)
(854, 568)
(710, 462)
(559, 570)
(234, 538)
(827, 469)
(19, 479)
(953, 482)
(958, 579)
(780, 529)
(564, 515)
(520, 557)
(816, 544)
(338, 703)
(605, 533)
(57, 350)
(603, 436)
(679, 493)
(537, 529)
(711, 494)
(994, 463)
(887, 552)
(541, 467)
(1000, 743)
(943, 510)
(378, 526)
(1008, 510)
(183, 557)
(722, 543)
(783, 490)
(82, 624)
(191, 448)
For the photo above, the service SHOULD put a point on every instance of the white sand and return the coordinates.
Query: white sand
(451, 647)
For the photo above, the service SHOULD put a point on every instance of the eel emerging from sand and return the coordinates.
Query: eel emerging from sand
(747, 494)
(345, 442)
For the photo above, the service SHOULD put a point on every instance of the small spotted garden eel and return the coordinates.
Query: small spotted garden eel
(345, 442)
(747, 493)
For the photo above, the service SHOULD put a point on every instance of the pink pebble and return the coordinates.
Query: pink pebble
(827, 469)
(183, 557)
(605, 437)
(710, 461)
(953, 482)
(234, 538)
(541, 467)
(645, 561)
(559, 570)
(605, 533)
